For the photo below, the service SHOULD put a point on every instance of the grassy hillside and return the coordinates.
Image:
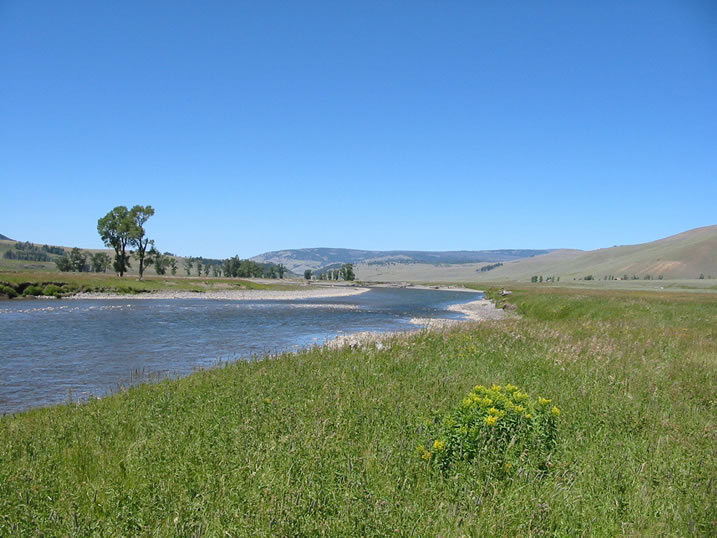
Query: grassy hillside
(298, 260)
(684, 256)
(323, 442)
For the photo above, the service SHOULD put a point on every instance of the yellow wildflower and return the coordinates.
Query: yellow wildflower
(543, 401)
(496, 388)
(439, 445)
(491, 420)
(519, 409)
(508, 467)
(555, 411)
(511, 388)
(528, 416)
(467, 402)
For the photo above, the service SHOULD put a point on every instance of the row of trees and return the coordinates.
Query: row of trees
(80, 262)
(345, 272)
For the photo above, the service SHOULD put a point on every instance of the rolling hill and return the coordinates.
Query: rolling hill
(683, 256)
(298, 260)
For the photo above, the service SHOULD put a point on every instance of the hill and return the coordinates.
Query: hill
(5, 238)
(683, 256)
(298, 260)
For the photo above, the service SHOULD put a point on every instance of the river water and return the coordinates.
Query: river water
(52, 351)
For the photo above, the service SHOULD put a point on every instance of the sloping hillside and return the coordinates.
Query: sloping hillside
(683, 256)
(298, 260)
(5, 238)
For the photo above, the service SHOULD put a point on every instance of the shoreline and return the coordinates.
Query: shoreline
(228, 295)
(474, 312)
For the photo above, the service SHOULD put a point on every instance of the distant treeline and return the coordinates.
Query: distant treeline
(489, 267)
(344, 272)
(30, 252)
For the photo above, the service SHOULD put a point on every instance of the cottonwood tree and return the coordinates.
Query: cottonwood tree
(139, 215)
(116, 229)
(100, 262)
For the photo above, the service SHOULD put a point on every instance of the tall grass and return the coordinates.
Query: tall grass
(323, 442)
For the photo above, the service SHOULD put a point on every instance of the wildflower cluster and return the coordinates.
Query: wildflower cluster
(498, 428)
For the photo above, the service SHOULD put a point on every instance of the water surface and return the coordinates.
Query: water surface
(52, 349)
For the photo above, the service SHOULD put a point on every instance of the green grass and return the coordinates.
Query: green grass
(103, 282)
(323, 442)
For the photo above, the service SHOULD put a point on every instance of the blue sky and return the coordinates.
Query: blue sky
(256, 126)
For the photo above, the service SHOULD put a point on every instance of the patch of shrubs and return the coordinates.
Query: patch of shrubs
(52, 290)
(32, 290)
(498, 430)
(7, 290)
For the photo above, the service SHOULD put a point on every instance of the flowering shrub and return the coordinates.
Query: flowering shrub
(500, 429)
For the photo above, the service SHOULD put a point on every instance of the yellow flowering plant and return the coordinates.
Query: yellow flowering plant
(499, 429)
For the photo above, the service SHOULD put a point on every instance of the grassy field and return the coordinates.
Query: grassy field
(71, 283)
(323, 442)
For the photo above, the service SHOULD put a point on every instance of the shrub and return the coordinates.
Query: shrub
(499, 430)
(52, 290)
(7, 290)
(32, 290)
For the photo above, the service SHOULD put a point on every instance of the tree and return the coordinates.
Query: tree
(78, 260)
(161, 263)
(188, 264)
(116, 229)
(138, 216)
(199, 267)
(281, 270)
(64, 264)
(307, 274)
(173, 266)
(347, 271)
(100, 262)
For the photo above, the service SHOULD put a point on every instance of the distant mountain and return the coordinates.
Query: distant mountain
(298, 260)
(685, 255)
(5, 238)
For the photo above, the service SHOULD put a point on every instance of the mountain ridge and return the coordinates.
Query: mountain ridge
(298, 260)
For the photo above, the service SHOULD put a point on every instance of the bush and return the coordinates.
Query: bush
(500, 430)
(52, 290)
(7, 290)
(32, 290)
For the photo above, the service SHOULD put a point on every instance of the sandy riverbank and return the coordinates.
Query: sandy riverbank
(234, 295)
(480, 310)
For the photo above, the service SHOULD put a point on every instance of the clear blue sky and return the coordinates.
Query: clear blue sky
(256, 126)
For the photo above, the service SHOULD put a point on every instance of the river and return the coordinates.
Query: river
(52, 351)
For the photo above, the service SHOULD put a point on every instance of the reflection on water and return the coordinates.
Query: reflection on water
(51, 348)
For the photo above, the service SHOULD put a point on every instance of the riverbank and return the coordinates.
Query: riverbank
(234, 295)
(323, 441)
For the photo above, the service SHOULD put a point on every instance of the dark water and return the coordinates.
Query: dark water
(52, 349)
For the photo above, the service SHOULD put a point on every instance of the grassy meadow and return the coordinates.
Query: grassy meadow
(324, 442)
(72, 283)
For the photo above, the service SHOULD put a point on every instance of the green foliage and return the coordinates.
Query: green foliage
(64, 264)
(322, 442)
(500, 430)
(116, 229)
(100, 262)
(7, 290)
(307, 274)
(32, 290)
(52, 290)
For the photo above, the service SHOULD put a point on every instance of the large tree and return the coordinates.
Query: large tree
(116, 229)
(139, 215)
